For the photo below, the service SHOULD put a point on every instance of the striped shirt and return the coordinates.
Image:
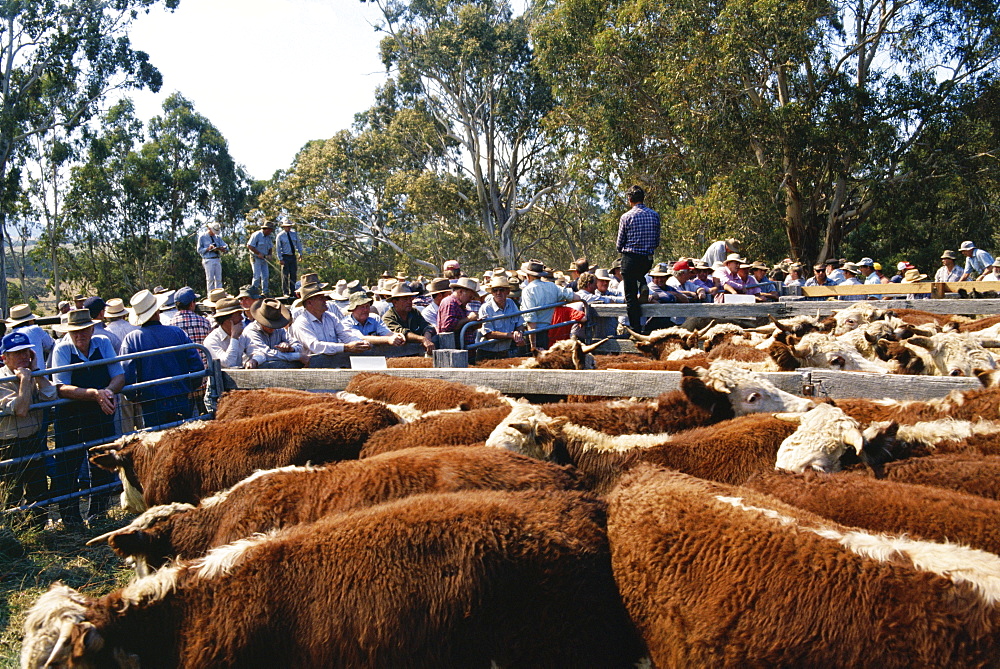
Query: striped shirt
(638, 231)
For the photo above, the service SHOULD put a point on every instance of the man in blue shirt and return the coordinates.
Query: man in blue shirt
(210, 248)
(289, 250)
(261, 247)
(977, 261)
(90, 416)
(164, 402)
(638, 237)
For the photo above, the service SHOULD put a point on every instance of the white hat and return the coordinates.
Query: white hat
(144, 305)
(967, 246)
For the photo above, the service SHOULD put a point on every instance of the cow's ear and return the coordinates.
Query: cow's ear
(688, 371)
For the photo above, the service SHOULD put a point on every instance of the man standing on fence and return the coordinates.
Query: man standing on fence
(976, 261)
(90, 416)
(210, 248)
(21, 428)
(638, 237)
(165, 402)
(289, 250)
(261, 247)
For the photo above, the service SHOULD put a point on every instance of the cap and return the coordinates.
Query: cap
(14, 341)
(866, 262)
(185, 295)
(94, 305)
(681, 266)
(358, 299)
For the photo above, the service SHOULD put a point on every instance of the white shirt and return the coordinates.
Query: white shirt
(322, 336)
(231, 352)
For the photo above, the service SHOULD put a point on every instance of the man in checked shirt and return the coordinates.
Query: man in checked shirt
(638, 237)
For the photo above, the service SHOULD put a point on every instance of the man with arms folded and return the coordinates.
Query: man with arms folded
(226, 342)
(322, 334)
(273, 347)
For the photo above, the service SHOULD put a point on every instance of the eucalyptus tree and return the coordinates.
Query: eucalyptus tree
(58, 60)
(375, 190)
(471, 63)
(827, 104)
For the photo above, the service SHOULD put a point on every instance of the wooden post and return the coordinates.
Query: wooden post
(446, 340)
(450, 357)
(937, 290)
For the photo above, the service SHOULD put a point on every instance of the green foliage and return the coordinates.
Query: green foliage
(830, 106)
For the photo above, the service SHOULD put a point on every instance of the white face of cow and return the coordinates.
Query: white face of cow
(824, 433)
(853, 316)
(819, 350)
(751, 393)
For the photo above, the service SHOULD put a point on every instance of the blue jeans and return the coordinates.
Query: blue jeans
(260, 274)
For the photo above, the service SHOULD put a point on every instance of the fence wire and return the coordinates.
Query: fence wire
(51, 466)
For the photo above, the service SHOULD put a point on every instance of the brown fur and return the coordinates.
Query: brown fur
(612, 361)
(188, 465)
(963, 472)
(661, 365)
(739, 353)
(979, 324)
(248, 403)
(670, 412)
(283, 498)
(408, 362)
(447, 429)
(449, 580)
(424, 394)
(972, 405)
(892, 507)
(918, 317)
(709, 585)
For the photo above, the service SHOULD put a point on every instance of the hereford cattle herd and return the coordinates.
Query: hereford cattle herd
(423, 523)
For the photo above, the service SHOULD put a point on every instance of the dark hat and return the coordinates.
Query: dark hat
(832, 261)
(94, 305)
(950, 255)
(185, 295)
(250, 291)
(532, 268)
(271, 313)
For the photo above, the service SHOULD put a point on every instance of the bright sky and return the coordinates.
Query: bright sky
(269, 74)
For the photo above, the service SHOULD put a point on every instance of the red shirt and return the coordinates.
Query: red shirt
(450, 312)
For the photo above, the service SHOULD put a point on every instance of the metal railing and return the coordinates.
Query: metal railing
(212, 372)
(478, 323)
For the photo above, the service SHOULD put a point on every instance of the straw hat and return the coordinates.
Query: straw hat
(499, 281)
(468, 283)
(439, 285)
(661, 269)
(311, 277)
(271, 313)
(913, 276)
(227, 306)
(20, 313)
(78, 319)
(950, 255)
(267, 225)
(603, 274)
(851, 267)
(115, 309)
(214, 296)
(401, 290)
(144, 306)
(735, 257)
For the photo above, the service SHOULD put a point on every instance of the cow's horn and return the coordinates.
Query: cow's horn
(789, 417)
(636, 336)
(590, 347)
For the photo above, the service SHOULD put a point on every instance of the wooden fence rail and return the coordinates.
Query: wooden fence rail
(610, 383)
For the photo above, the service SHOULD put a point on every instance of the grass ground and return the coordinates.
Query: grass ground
(32, 559)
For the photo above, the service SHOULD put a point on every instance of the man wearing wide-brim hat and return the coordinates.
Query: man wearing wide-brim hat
(949, 270)
(437, 290)
(94, 391)
(322, 334)
(261, 246)
(717, 251)
(402, 318)
(505, 333)
(274, 347)
(22, 320)
(452, 312)
(977, 261)
(227, 343)
(117, 317)
(361, 321)
(289, 249)
(166, 402)
(537, 293)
